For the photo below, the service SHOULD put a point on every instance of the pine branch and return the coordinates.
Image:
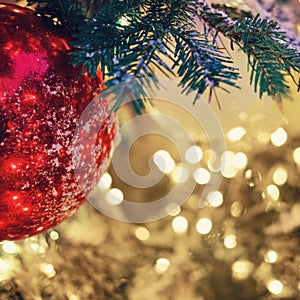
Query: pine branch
(209, 66)
(70, 14)
(132, 38)
(269, 53)
(286, 13)
(146, 42)
(102, 39)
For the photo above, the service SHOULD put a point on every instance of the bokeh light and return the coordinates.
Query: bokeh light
(228, 168)
(114, 197)
(202, 176)
(271, 256)
(279, 137)
(193, 154)
(215, 198)
(280, 176)
(275, 286)
(162, 265)
(4, 266)
(10, 247)
(242, 269)
(204, 226)
(236, 209)
(54, 235)
(142, 233)
(230, 241)
(180, 224)
(105, 181)
(173, 209)
(180, 174)
(48, 269)
(253, 177)
(240, 160)
(236, 133)
(273, 191)
(164, 161)
(296, 155)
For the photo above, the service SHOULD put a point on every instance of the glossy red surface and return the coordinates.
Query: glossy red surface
(41, 101)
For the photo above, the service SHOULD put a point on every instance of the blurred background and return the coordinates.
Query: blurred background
(243, 245)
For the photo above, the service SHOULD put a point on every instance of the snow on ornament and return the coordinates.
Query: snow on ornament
(41, 100)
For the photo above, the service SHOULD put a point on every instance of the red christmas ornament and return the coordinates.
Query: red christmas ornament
(41, 100)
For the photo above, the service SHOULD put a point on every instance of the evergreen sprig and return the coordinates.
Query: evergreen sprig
(201, 65)
(70, 14)
(130, 39)
(269, 53)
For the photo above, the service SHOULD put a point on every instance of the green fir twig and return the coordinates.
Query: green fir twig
(130, 39)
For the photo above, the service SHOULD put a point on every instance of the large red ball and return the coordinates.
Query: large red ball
(41, 100)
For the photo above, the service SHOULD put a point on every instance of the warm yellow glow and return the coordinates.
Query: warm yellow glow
(56, 21)
(164, 161)
(240, 160)
(236, 209)
(263, 137)
(105, 181)
(114, 197)
(142, 233)
(241, 269)
(173, 209)
(162, 265)
(228, 168)
(54, 235)
(193, 154)
(227, 158)
(4, 266)
(252, 177)
(229, 171)
(230, 241)
(180, 174)
(123, 21)
(48, 269)
(271, 256)
(212, 162)
(204, 226)
(42, 248)
(236, 133)
(34, 246)
(202, 176)
(10, 247)
(180, 224)
(275, 286)
(215, 198)
(280, 176)
(296, 155)
(273, 191)
(279, 137)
